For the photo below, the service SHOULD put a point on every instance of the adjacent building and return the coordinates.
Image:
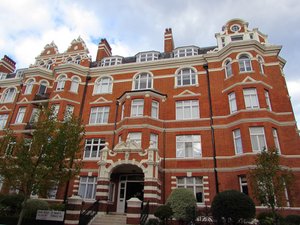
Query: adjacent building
(187, 116)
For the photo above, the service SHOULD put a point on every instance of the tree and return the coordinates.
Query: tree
(269, 180)
(232, 207)
(42, 160)
(182, 202)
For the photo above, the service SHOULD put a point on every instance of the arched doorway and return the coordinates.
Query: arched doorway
(126, 181)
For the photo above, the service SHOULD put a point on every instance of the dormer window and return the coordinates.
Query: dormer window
(187, 51)
(77, 60)
(3, 76)
(111, 61)
(69, 60)
(147, 56)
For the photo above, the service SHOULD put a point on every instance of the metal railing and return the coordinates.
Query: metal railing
(87, 215)
(144, 213)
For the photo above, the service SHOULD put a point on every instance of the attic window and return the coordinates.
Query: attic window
(187, 51)
(237, 38)
(111, 61)
(147, 56)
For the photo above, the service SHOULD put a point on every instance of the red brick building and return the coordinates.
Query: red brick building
(189, 116)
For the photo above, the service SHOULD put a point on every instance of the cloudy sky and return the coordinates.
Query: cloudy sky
(131, 26)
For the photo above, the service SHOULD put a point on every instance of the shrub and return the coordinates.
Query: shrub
(292, 220)
(152, 221)
(266, 218)
(232, 206)
(11, 204)
(33, 205)
(163, 212)
(57, 207)
(181, 201)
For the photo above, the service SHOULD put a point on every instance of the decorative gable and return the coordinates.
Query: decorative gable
(101, 100)
(50, 49)
(186, 93)
(77, 45)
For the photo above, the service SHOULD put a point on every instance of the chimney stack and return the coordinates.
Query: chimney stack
(169, 43)
(7, 65)
(104, 50)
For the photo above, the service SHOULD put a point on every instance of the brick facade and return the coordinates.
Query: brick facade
(158, 120)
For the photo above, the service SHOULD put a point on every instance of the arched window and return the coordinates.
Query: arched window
(261, 64)
(49, 64)
(29, 86)
(228, 68)
(245, 63)
(142, 81)
(43, 87)
(61, 83)
(186, 76)
(103, 85)
(77, 60)
(69, 60)
(74, 84)
(9, 95)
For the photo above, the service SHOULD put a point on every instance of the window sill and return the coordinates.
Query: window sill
(185, 86)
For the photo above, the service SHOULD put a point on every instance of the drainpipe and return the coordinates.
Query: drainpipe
(88, 77)
(205, 66)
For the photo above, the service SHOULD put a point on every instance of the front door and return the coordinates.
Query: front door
(121, 197)
(129, 188)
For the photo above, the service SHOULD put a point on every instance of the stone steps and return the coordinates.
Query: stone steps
(109, 219)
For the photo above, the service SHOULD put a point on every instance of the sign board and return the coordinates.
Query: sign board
(50, 215)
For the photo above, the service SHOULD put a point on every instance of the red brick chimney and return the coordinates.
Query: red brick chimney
(104, 50)
(7, 65)
(169, 43)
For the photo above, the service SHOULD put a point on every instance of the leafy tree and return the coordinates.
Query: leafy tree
(36, 163)
(233, 207)
(269, 180)
(164, 213)
(182, 201)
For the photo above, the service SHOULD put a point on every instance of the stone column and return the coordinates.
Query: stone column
(73, 210)
(133, 211)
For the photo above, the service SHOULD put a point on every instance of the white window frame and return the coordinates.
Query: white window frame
(188, 146)
(103, 85)
(3, 121)
(9, 95)
(245, 63)
(34, 115)
(147, 56)
(276, 139)
(184, 75)
(74, 84)
(43, 84)
(155, 109)
(77, 59)
(55, 110)
(29, 86)
(237, 140)
(136, 137)
(268, 101)
(69, 112)
(143, 81)
(87, 187)
(61, 81)
(137, 108)
(122, 110)
(193, 184)
(92, 148)
(251, 98)
(232, 102)
(228, 68)
(20, 115)
(111, 61)
(261, 64)
(258, 138)
(243, 184)
(186, 51)
(154, 140)
(187, 110)
(99, 115)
